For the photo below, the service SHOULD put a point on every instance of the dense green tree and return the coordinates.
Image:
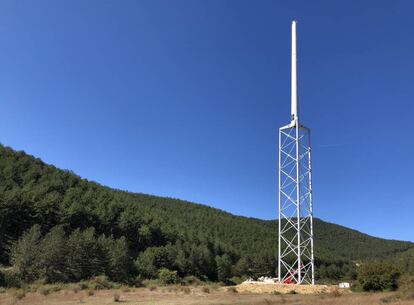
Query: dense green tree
(374, 276)
(2, 280)
(243, 267)
(224, 268)
(86, 255)
(98, 230)
(121, 266)
(16, 216)
(153, 259)
(25, 254)
(167, 276)
(52, 256)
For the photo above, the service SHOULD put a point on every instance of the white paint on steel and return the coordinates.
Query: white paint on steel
(295, 251)
(294, 75)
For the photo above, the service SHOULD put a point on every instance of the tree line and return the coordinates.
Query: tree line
(58, 227)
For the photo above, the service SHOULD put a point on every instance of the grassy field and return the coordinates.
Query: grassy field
(173, 295)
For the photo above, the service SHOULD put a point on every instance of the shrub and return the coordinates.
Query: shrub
(90, 292)
(57, 287)
(378, 276)
(11, 278)
(20, 294)
(151, 284)
(191, 280)
(117, 297)
(214, 286)
(172, 289)
(237, 280)
(100, 282)
(137, 281)
(205, 289)
(275, 292)
(186, 290)
(76, 288)
(292, 292)
(167, 276)
(2, 290)
(44, 291)
(406, 287)
(232, 289)
(125, 289)
(2, 279)
(152, 260)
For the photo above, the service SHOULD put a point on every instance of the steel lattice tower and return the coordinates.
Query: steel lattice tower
(295, 257)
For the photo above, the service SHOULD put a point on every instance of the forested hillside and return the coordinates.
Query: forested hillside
(59, 227)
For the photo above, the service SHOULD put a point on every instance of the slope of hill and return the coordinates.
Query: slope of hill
(158, 232)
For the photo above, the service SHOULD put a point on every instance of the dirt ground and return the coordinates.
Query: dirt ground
(260, 287)
(194, 296)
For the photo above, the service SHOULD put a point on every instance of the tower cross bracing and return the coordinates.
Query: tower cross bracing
(295, 251)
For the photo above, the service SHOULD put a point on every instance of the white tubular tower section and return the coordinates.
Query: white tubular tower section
(294, 76)
(295, 252)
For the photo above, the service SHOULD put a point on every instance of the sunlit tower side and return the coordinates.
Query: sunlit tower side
(295, 252)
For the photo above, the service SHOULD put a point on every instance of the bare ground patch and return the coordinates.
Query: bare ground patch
(259, 287)
(176, 295)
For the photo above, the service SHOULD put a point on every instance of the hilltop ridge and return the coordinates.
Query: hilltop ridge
(160, 232)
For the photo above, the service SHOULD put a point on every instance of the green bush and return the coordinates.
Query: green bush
(151, 284)
(378, 276)
(56, 287)
(237, 280)
(2, 279)
(100, 282)
(137, 281)
(152, 260)
(83, 285)
(20, 294)
(167, 276)
(191, 280)
(44, 291)
(12, 278)
(406, 287)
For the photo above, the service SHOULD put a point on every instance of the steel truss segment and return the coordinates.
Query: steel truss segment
(295, 251)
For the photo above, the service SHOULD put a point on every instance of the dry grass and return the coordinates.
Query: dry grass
(196, 296)
(205, 289)
(117, 297)
(259, 287)
(90, 292)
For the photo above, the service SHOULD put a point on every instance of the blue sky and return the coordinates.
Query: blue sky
(184, 99)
